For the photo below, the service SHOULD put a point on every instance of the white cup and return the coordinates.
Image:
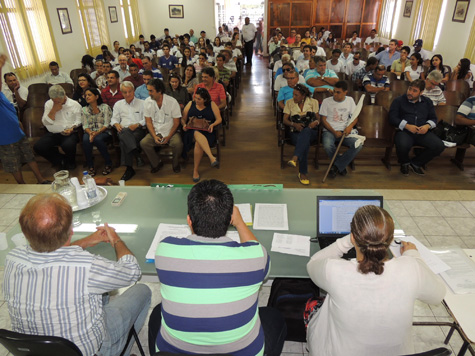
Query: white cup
(122, 183)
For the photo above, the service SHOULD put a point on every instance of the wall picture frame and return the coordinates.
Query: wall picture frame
(176, 11)
(460, 11)
(64, 21)
(408, 8)
(113, 14)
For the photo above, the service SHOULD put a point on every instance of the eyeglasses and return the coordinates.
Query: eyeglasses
(287, 70)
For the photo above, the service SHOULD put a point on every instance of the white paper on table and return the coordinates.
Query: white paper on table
(291, 244)
(233, 235)
(245, 210)
(433, 262)
(271, 217)
(165, 230)
(461, 276)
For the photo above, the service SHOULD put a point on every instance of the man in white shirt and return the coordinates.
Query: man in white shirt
(129, 121)
(61, 117)
(248, 36)
(14, 92)
(372, 39)
(319, 51)
(122, 68)
(162, 115)
(355, 65)
(140, 43)
(56, 77)
(346, 57)
(302, 64)
(334, 63)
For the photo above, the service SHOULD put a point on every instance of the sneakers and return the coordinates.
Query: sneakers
(417, 170)
(405, 170)
(333, 172)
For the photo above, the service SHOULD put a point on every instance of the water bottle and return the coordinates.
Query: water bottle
(90, 187)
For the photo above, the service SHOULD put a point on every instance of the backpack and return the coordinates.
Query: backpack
(289, 296)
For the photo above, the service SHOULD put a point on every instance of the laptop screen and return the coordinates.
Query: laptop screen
(334, 214)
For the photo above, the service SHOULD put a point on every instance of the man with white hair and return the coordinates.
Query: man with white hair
(129, 121)
(432, 90)
(61, 117)
(122, 68)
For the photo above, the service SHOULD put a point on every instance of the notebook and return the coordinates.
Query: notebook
(334, 215)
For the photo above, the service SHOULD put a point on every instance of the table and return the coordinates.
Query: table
(146, 207)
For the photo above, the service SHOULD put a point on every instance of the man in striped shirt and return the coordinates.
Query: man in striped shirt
(432, 90)
(53, 287)
(210, 284)
(466, 116)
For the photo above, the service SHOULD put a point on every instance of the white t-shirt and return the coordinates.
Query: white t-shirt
(337, 113)
(337, 68)
(415, 74)
(281, 82)
(351, 67)
(370, 40)
(162, 118)
(302, 65)
(367, 314)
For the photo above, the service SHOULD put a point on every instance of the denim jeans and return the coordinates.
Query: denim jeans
(272, 321)
(302, 141)
(100, 141)
(405, 140)
(329, 145)
(121, 313)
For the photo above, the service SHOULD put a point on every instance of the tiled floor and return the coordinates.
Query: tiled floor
(436, 218)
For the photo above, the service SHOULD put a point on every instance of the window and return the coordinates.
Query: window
(94, 25)
(387, 18)
(27, 36)
(426, 19)
(131, 22)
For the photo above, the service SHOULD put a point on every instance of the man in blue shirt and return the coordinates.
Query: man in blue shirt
(287, 92)
(414, 115)
(142, 92)
(14, 146)
(321, 78)
(387, 58)
(167, 61)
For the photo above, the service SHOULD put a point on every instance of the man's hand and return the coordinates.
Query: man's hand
(407, 246)
(298, 127)
(158, 140)
(314, 124)
(411, 128)
(236, 218)
(134, 127)
(3, 59)
(338, 134)
(67, 132)
(347, 131)
(165, 140)
(118, 127)
(422, 130)
(57, 106)
(112, 236)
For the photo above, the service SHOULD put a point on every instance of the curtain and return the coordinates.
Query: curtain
(385, 19)
(27, 35)
(470, 50)
(94, 25)
(130, 14)
(426, 19)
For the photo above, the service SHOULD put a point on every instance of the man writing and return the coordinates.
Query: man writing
(128, 120)
(335, 113)
(61, 117)
(209, 305)
(162, 116)
(414, 115)
(67, 299)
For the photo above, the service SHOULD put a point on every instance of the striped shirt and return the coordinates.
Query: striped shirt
(467, 109)
(209, 293)
(60, 293)
(436, 95)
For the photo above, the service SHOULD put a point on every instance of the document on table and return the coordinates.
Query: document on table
(433, 262)
(291, 244)
(245, 210)
(461, 276)
(233, 235)
(271, 217)
(165, 230)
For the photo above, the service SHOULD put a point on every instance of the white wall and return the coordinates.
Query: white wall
(198, 15)
(453, 38)
(116, 29)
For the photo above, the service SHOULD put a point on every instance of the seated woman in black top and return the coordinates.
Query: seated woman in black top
(84, 81)
(178, 91)
(202, 108)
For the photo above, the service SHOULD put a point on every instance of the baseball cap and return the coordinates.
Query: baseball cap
(418, 43)
(400, 43)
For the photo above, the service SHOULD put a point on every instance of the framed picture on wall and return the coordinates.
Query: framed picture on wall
(64, 21)
(408, 8)
(113, 14)
(460, 10)
(175, 11)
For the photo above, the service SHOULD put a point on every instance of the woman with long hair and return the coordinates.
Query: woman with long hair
(189, 78)
(415, 70)
(370, 301)
(202, 107)
(462, 71)
(437, 63)
(302, 135)
(177, 91)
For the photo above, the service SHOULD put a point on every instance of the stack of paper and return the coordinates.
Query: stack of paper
(271, 217)
(245, 210)
(291, 244)
(165, 230)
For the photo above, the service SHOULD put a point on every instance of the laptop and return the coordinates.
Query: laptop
(334, 215)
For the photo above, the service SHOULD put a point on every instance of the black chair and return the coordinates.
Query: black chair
(441, 351)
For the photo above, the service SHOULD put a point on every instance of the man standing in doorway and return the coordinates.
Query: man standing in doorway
(248, 35)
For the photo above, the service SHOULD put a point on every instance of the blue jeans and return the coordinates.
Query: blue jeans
(405, 140)
(121, 313)
(329, 145)
(100, 141)
(302, 141)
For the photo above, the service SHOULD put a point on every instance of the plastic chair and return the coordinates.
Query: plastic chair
(441, 351)
(27, 345)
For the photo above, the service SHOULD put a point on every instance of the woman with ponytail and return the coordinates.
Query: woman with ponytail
(370, 301)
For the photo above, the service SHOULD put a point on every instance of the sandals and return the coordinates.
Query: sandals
(292, 163)
(303, 180)
(91, 171)
(107, 170)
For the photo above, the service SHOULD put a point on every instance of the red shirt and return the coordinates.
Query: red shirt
(217, 92)
(136, 82)
(290, 40)
(109, 98)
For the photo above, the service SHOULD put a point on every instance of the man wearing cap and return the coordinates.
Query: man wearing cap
(424, 54)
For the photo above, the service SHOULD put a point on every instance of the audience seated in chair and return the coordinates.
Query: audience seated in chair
(432, 90)
(56, 77)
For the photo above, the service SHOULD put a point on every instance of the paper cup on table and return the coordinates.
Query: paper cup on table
(3, 241)
(122, 183)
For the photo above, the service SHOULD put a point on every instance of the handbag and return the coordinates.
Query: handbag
(198, 124)
(449, 133)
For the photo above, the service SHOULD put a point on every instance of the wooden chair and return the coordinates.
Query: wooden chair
(454, 98)
(448, 69)
(385, 99)
(399, 87)
(32, 124)
(356, 95)
(373, 123)
(448, 113)
(459, 85)
(392, 76)
(283, 135)
(342, 76)
(320, 95)
(69, 89)
(37, 95)
(75, 73)
(364, 54)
